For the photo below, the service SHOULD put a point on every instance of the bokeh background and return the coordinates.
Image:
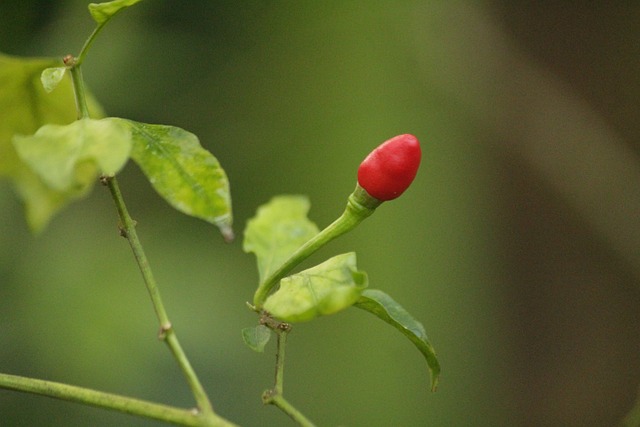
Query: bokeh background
(517, 246)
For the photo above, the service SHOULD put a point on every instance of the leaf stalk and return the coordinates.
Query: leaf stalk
(360, 206)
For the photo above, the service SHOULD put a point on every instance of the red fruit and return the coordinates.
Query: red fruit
(389, 169)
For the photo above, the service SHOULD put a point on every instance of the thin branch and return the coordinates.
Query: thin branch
(275, 396)
(167, 332)
(100, 399)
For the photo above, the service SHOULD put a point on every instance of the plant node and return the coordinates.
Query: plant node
(69, 60)
(164, 330)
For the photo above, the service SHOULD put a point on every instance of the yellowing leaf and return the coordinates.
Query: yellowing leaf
(70, 157)
(325, 289)
(102, 12)
(25, 107)
(278, 229)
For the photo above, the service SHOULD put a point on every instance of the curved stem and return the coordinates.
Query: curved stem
(111, 401)
(360, 205)
(89, 42)
(92, 38)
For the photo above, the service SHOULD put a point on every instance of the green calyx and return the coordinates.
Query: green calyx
(362, 203)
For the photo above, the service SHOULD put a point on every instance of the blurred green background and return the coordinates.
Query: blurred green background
(517, 246)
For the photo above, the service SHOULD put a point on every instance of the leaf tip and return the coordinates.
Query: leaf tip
(434, 383)
(227, 233)
(51, 77)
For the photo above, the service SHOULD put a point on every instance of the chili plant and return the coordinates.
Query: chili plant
(53, 152)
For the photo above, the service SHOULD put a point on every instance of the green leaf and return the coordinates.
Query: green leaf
(70, 157)
(384, 307)
(51, 77)
(41, 202)
(256, 338)
(278, 229)
(25, 107)
(186, 175)
(102, 12)
(325, 289)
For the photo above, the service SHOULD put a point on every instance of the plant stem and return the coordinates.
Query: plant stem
(92, 37)
(359, 206)
(274, 396)
(286, 407)
(74, 64)
(128, 230)
(79, 91)
(111, 401)
(76, 71)
(282, 333)
(167, 332)
(204, 415)
(89, 42)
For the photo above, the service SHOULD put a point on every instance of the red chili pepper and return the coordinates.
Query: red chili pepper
(389, 169)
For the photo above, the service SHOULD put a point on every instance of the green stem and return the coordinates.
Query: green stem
(111, 401)
(205, 415)
(74, 64)
(166, 330)
(286, 407)
(283, 332)
(360, 205)
(128, 230)
(79, 91)
(275, 395)
(92, 37)
(89, 42)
